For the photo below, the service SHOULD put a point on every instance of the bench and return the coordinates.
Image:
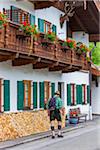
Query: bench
(75, 113)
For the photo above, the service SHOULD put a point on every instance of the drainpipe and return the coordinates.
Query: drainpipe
(90, 83)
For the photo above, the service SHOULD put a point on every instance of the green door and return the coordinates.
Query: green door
(6, 95)
(41, 25)
(20, 95)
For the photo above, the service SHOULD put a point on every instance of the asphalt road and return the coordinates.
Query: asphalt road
(87, 138)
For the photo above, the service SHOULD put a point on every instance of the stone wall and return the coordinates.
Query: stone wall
(15, 125)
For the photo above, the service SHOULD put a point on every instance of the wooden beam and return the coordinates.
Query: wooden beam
(80, 23)
(56, 68)
(22, 61)
(94, 37)
(6, 57)
(40, 65)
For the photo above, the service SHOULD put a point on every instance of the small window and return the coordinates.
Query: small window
(47, 26)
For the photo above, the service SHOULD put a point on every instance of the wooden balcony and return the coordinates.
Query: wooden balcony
(22, 50)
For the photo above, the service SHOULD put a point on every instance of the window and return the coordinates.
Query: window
(84, 94)
(47, 26)
(23, 95)
(27, 94)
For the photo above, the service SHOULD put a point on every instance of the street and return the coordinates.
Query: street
(87, 138)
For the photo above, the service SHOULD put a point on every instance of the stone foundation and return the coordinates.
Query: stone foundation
(15, 125)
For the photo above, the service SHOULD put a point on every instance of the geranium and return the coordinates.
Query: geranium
(51, 36)
(71, 43)
(3, 20)
(29, 29)
(82, 48)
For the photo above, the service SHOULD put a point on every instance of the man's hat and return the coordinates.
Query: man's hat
(57, 93)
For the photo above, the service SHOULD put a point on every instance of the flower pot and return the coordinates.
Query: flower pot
(73, 120)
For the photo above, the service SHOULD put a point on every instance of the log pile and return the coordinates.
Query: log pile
(15, 125)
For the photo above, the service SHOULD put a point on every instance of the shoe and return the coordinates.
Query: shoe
(60, 136)
(53, 137)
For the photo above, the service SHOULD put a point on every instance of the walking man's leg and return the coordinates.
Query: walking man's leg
(52, 129)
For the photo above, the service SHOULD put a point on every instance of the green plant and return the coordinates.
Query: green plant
(70, 43)
(29, 29)
(3, 20)
(81, 48)
(51, 36)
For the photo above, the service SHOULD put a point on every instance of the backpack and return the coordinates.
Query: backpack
(52, 103)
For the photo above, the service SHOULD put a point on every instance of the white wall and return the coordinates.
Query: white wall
(53, 15)
(81, 37)
(76, 77)
(96, 98)
(14, 74)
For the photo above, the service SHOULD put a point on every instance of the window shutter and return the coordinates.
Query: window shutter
(32, 19)
(20, 95)
(88, 93)
(68, 94)
(14, 14)
(6, 95)
(52, 89)
(77, 94)
(41, 25)
(34, 94)
(54, 29)
(41, 92)
(80, 94)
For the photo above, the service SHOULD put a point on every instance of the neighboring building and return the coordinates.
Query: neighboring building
(29, 74)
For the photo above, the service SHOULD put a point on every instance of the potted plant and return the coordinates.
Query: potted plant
(27, 30)
(3, 20)
(48, 39)
(81, 48)
(71, 43)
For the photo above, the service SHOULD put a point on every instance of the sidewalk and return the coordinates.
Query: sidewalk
(12, 143)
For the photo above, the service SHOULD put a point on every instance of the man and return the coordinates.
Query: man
(54, 107)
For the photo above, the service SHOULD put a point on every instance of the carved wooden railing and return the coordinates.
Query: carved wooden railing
(11, 40)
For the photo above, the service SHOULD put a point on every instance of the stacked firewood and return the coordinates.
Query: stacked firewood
(15, 125)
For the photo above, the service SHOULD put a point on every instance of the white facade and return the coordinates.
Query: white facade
(96, 97)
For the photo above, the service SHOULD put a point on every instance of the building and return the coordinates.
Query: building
(31, 72)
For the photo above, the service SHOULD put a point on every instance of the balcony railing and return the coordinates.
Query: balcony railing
(12, 41)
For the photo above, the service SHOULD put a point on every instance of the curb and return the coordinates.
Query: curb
(35, 137)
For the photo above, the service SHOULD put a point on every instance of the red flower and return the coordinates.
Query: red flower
(24, 23)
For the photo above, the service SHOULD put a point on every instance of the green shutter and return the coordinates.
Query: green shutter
(77, 94)
(52, 89)
(88, 93)
(34, 94)
(41, 25)
(80, 94)
(68, 94)
(14, 13)
(20, 95)
(32, 19)
(41, 93)
(6, 95)
(54, 29)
